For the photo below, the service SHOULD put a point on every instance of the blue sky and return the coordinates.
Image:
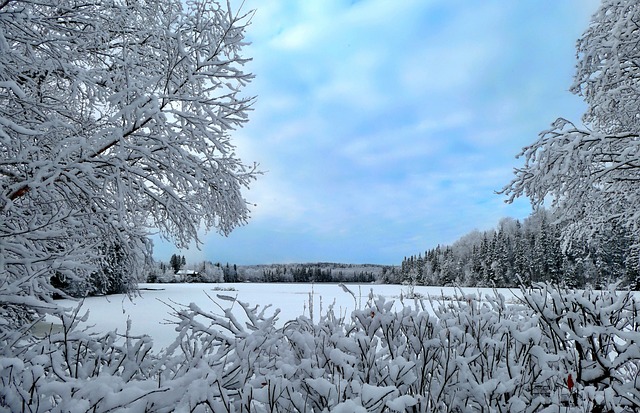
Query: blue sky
(385, 127)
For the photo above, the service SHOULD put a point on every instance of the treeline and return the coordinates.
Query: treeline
(317, 273)
(312, 272)
(529, 251)
(205, 272)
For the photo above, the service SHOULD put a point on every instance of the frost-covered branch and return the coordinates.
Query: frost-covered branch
(591, 173)
(115, 120)
(472, 353)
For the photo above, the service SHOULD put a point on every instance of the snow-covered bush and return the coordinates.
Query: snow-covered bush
(450, 354)
(594, 335)
(211, 273)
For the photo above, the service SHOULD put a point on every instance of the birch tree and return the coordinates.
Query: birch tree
(591, 172)
(115, 119)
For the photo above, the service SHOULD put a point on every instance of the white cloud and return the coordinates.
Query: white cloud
(295, 38)
(424, 139)
(450, 120)
(390, 124)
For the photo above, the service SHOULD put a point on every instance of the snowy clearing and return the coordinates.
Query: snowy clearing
(150, 311)
(497, 353)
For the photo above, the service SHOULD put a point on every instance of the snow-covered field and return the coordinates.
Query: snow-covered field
(473, 356)
(150, 312)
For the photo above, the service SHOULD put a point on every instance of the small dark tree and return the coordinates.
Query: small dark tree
(176, 263)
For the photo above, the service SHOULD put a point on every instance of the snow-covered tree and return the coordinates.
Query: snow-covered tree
(115, 118)
(210, 272)
(592, 172)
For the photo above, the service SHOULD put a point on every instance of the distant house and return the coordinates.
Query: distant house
(188, 276)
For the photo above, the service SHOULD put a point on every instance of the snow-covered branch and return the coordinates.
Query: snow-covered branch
(591, 173)
(467, 353)
(115, 119)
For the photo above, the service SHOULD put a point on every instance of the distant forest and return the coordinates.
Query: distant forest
(528, 251)
(514, 252)
(178, 271)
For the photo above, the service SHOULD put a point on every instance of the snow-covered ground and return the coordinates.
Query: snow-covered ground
(150, 312)
(499, 356)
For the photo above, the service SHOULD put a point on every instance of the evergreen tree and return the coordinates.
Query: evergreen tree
(176, 262)
(632, 264)
(448, 273)
(521, 271)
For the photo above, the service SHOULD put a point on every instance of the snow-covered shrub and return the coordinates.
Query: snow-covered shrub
(594, 335)
(73, 371)
(467, 353)
(470, 353)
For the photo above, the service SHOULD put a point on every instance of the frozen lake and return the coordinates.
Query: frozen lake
(150, 312)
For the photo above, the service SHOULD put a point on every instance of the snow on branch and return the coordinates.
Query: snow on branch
(115, 121)
(591, 173)
(548, 349)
